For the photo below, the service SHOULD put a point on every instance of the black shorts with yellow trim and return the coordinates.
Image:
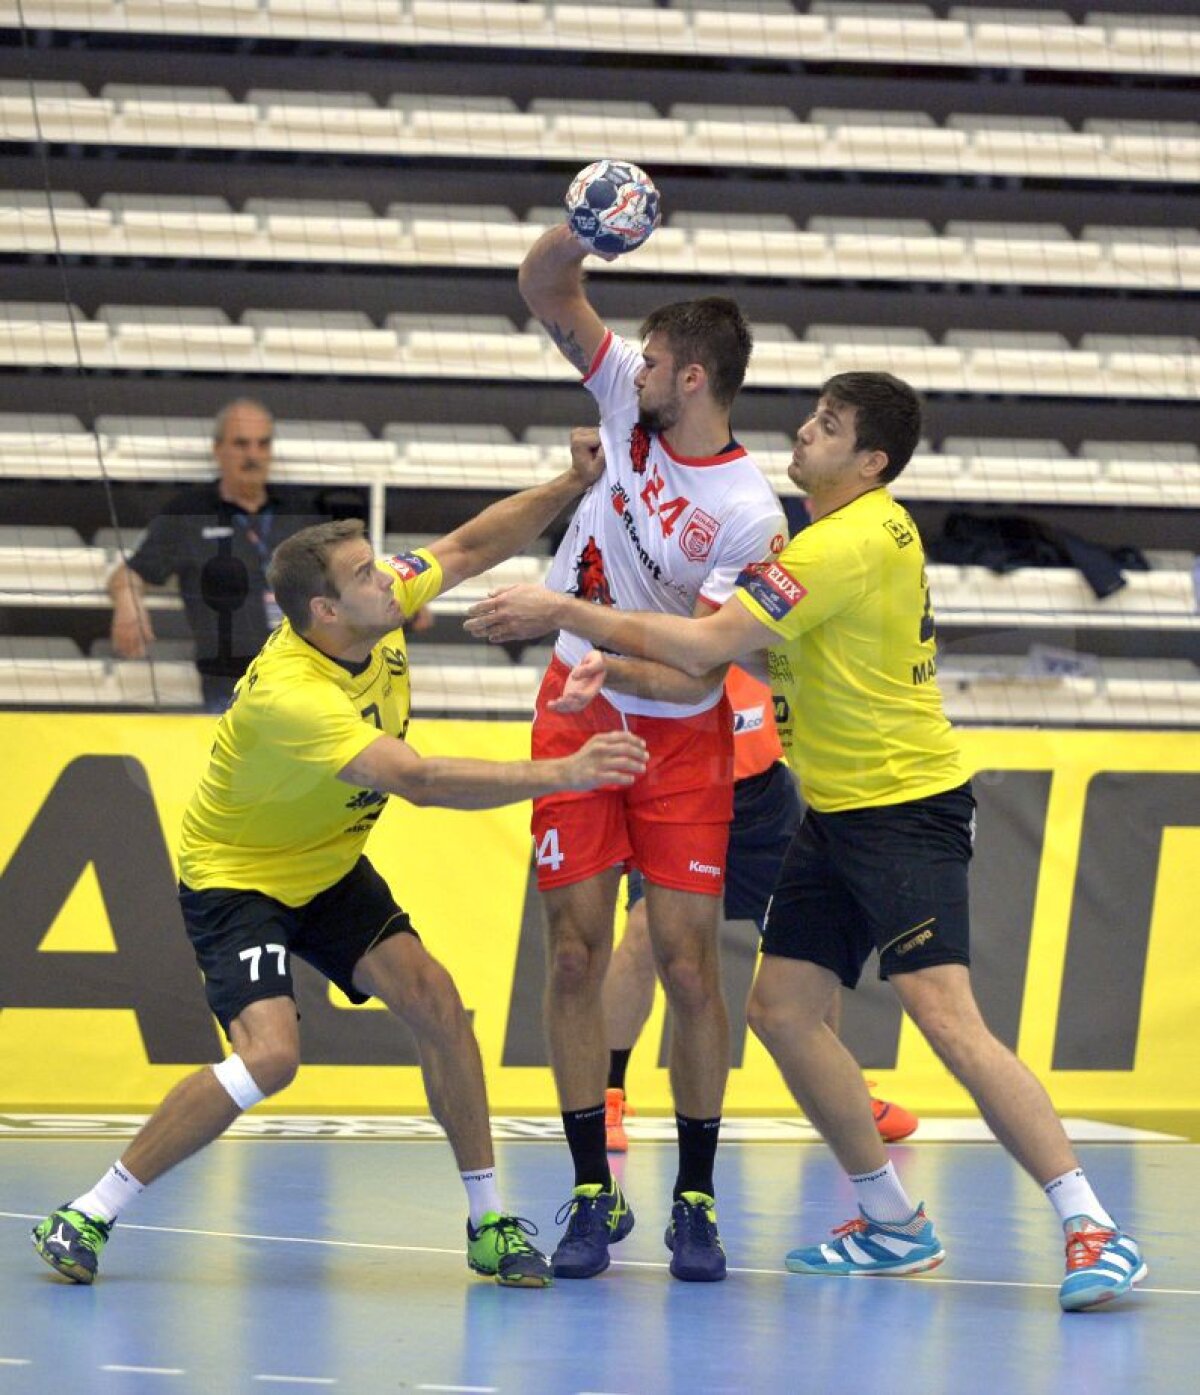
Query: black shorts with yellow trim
(244, 940)
(891, 878)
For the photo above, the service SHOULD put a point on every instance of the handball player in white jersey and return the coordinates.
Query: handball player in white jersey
(680, 509)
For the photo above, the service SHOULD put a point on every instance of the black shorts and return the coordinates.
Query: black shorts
(243, 939)
(892, 878)
(767, 810)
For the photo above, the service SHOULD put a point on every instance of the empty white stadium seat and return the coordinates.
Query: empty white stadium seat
(1146, 43)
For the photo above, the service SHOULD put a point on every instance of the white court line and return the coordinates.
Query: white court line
(146, 1370)
(299, 1380)
(616, 1263)
(15, 1361)
(462, 1389)
(735, 1129)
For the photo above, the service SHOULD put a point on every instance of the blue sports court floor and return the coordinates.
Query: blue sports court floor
(329, 1254)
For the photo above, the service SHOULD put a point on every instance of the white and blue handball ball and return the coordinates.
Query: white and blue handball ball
(612, 206)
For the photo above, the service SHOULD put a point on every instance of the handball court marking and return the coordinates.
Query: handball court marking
(616, 1263)
(540, 1129)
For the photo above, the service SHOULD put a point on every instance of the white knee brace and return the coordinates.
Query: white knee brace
(237, 1082)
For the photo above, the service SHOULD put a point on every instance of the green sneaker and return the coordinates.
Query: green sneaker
(71, 1242)
(499, 1249)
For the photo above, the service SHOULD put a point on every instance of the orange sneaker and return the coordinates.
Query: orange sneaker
(892, 1121)
(615, 1110)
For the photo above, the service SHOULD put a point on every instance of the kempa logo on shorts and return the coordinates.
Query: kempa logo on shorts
(918, 935)
(705, 867)
(916, 942)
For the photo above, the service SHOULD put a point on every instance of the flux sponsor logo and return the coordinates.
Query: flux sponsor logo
(772, 587)
(705, 869)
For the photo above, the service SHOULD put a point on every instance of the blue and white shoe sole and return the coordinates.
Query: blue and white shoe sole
(1080, 1299)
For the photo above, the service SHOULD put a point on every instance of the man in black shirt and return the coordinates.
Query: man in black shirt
(217, 539)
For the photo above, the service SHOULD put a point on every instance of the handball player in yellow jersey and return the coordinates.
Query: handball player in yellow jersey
(881, 859)
(271, 861)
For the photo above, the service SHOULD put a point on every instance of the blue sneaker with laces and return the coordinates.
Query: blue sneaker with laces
(1102, 1264)
(596, 1218)
(697, 1254)
(864, 1246)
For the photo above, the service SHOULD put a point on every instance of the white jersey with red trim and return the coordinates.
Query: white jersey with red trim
(658, 531)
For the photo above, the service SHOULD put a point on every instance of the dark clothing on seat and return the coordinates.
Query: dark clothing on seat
(1004, 542)
(220, 554)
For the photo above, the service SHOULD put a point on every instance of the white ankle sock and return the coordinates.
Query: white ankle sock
(115, 1190)
(483, 1193)
(1071, 1195)
(882, 1197)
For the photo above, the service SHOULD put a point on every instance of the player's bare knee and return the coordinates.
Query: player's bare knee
(764, 1018)
(431, 1004)
(575, 967)
(947, 1032)
(275, 1067)
(691, 985)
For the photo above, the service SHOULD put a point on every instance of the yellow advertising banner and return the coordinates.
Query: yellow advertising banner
(1081, 908)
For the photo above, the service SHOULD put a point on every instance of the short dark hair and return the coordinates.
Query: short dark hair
(712, 332)
(299, 568)
(887, 415)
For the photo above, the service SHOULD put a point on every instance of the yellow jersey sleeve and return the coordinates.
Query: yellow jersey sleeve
(814, 577)
(418, 578)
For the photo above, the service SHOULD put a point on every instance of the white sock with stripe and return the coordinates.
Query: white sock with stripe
(115, 1190)
(882, 1197)
(1071, 1195)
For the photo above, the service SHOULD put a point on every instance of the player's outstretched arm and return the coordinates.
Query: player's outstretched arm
(639, 677)
(506, 527)
(392, 766)
(696, 646)
(551, 280)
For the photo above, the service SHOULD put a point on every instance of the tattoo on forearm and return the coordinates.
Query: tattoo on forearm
(567, 345)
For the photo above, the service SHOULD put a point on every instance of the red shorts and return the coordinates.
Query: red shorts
(672, 823)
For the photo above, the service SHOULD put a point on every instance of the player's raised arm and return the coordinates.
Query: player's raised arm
(611, 207)
(551, 280)
(504, 528)
(392, 766)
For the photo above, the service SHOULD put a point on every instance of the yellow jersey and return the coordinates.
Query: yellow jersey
(857, 705)
(270, 814)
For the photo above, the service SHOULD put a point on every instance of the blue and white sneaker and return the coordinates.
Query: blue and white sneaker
(1102, 1264)
(697, 1254)
(864, 1246)
(596, 1218)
